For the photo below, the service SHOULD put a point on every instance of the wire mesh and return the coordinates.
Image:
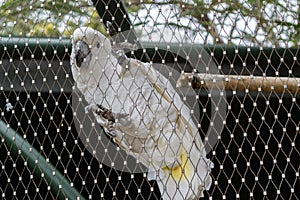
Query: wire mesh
(252, 137)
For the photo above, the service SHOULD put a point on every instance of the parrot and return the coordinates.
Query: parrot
(141, 112)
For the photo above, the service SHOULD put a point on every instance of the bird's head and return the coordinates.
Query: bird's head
(88, 45)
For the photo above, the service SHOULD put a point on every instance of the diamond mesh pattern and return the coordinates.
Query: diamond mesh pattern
(256, 152)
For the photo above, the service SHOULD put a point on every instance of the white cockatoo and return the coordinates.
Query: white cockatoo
(143, 114)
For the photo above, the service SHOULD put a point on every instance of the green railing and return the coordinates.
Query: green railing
(37, 164)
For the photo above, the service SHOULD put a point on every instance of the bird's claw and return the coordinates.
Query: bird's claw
(112, 119)
(105, 113)
(111, 129)
(110, 29)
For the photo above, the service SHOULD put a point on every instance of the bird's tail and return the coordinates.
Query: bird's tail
(187, 180)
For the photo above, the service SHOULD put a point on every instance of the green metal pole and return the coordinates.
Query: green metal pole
(38, 164)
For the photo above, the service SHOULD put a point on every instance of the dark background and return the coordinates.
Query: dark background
(57, 104)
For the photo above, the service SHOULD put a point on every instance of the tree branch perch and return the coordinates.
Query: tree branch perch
(239, 83)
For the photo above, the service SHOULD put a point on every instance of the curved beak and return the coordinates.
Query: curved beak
(82, 50)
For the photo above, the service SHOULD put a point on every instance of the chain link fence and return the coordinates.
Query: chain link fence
(234, 65)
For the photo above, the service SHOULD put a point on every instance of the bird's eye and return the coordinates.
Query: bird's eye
(98, 45)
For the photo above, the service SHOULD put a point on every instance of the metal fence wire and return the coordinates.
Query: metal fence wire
(149, 99)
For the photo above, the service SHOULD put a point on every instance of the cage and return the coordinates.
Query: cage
(234, 65)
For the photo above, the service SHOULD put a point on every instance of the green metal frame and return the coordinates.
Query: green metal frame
(38, 164)
(240, 57)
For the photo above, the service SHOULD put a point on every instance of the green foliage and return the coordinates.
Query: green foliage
(252, 22)
(255, 22)
(46, 18)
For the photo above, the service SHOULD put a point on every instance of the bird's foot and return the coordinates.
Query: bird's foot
(105, 113)
(110, 129)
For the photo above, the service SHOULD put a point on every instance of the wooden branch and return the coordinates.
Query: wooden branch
(239, 83)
